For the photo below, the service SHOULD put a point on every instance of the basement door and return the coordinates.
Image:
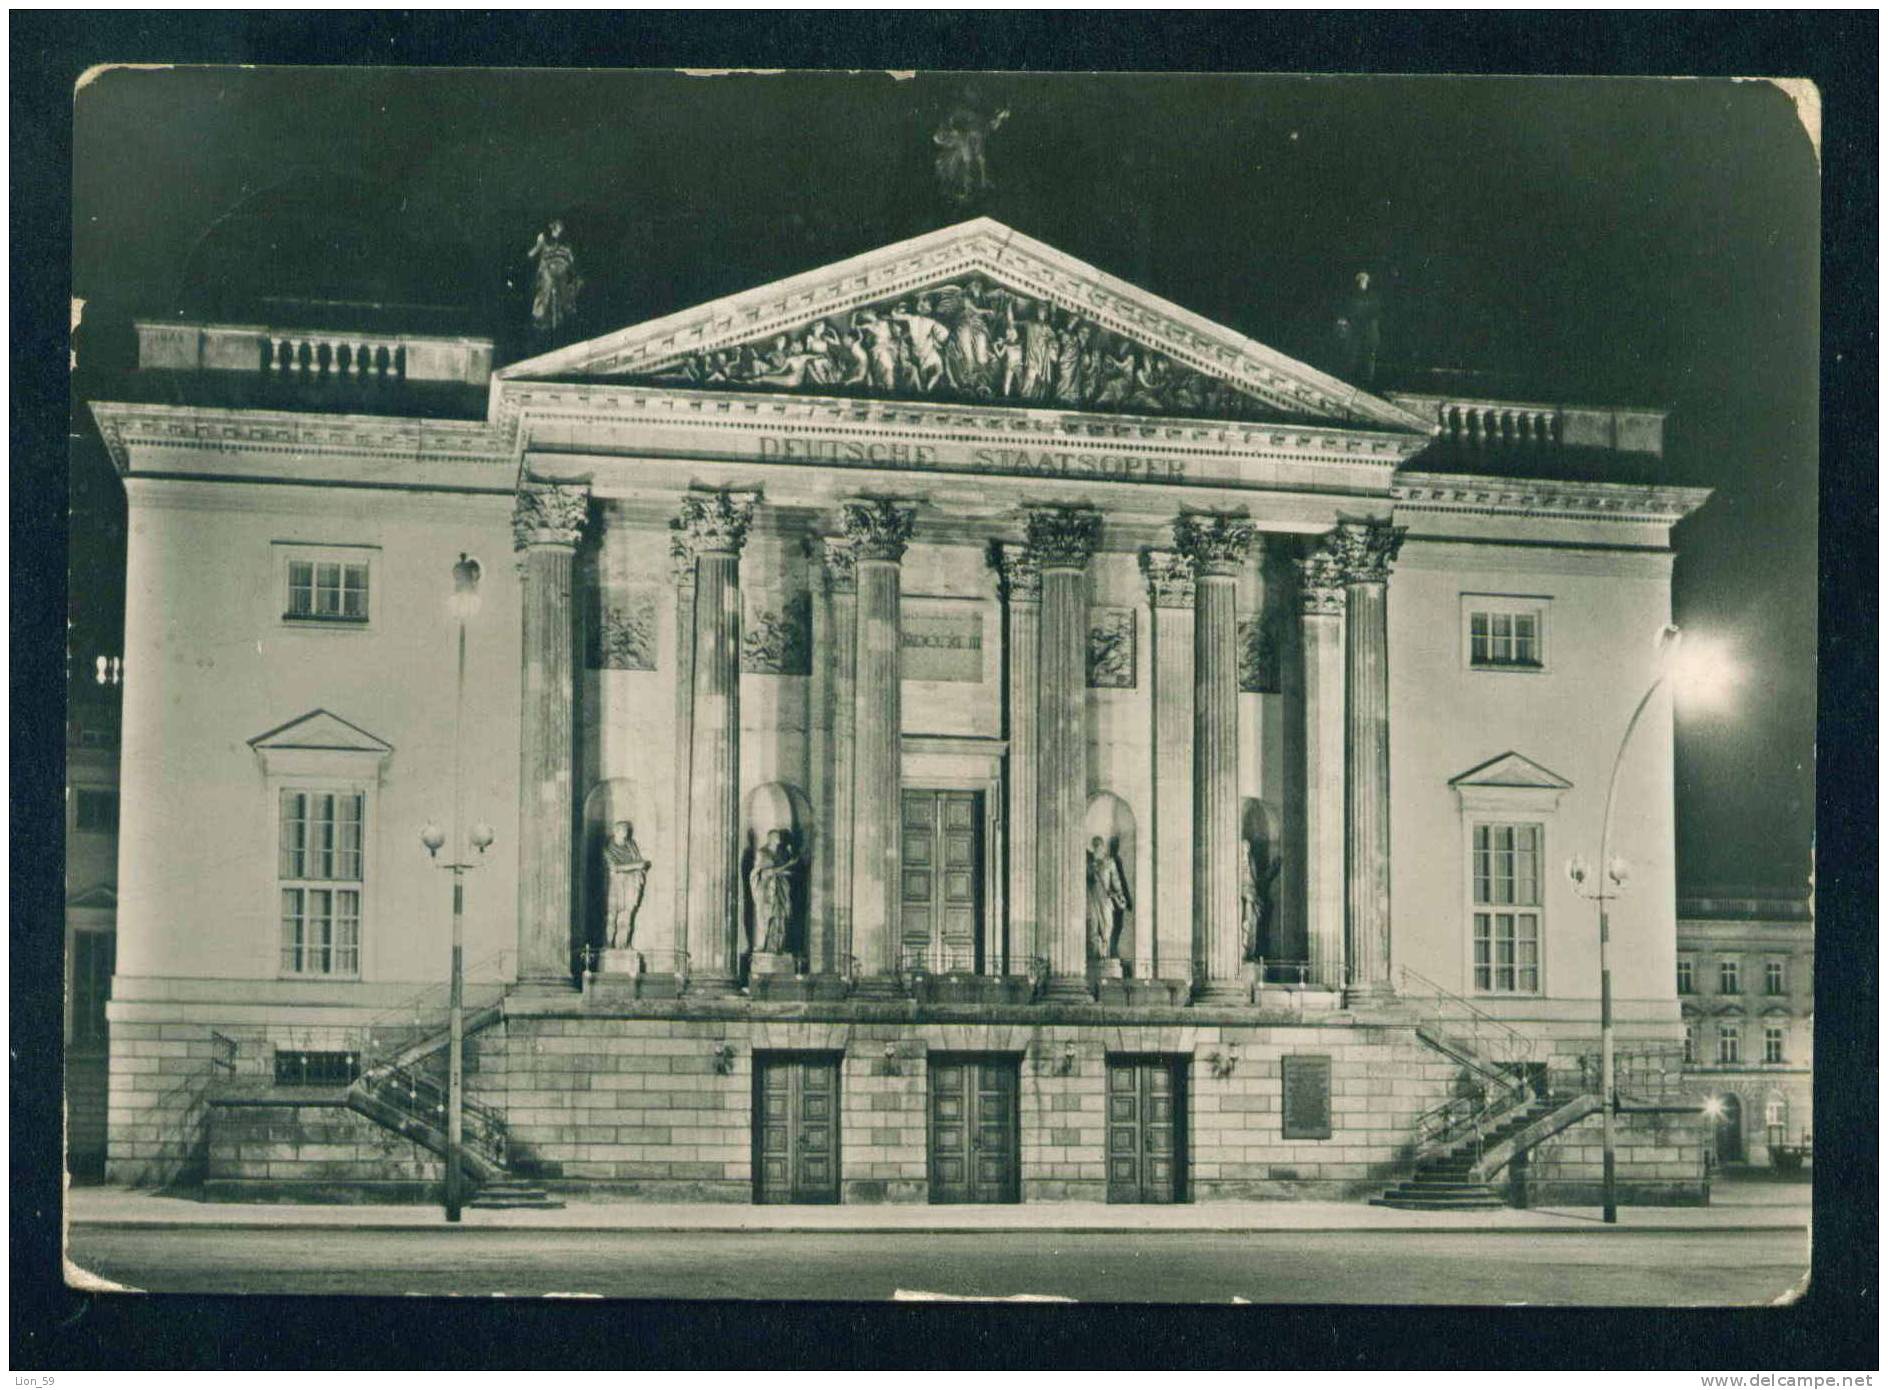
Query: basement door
(975, 1156)
(1146, 1135)
(796, 1127)
(941, 878)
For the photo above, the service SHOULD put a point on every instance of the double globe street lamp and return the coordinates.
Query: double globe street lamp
(464, 604)
(1701, 670)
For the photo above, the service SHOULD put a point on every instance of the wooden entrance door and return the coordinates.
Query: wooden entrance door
(941, 879)
(1146, 1129)
(975, 1156)
(796, 1127)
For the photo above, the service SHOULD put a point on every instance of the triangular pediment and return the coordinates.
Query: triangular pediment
(1510, 770)
(320, 731)
(972, 314)
(100, 896)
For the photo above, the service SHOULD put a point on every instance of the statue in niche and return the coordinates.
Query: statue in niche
(1255, 894)
(628, 880)
(1107, 899)
(770, 885)
(554, 291)
(962, 172)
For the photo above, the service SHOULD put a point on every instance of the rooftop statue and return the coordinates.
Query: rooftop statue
(554, 291)
(962, 172)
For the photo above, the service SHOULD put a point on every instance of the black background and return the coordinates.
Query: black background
(1646, 243)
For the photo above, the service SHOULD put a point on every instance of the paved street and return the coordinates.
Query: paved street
(1493, 1267)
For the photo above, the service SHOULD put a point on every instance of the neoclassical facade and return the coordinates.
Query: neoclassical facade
(981, 733)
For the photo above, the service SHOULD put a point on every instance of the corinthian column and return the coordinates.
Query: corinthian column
(1321, 586)
(715, 525)
(835, 659)
(1061, 540)
(665, 958)
(1170, 590)
(1217, 546)
(879, 532)
(1364, 550)
(546, 526)
(1019, 584)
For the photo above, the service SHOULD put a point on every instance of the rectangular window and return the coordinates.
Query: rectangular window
(95, 809)
(1684, 975)
(326, 587)
(1773, 977)
(319, 870)
(1507, 876)
(316, 1068)
(1505, 634)
(1730, 1044)
(1773, 1042)
(1730, 976)
(92, 958)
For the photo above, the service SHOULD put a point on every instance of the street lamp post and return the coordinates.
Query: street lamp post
(465, 603)
(1613, 875)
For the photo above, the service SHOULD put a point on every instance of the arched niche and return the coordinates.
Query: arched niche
(1111, 820)
(607, 802)
(777, 806)
(1260, 838)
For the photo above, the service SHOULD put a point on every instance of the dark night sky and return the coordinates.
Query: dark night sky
(1609, 241)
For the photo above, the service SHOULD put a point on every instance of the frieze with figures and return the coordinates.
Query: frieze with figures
(969, 341)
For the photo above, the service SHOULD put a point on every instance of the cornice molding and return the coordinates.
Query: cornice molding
(214, 428)
(518, 405)
(1482, 495)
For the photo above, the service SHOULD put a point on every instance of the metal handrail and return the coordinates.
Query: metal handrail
(420, 1015)
(1518, 1044)
(424, 1099)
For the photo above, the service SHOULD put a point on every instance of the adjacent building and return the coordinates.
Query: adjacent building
(949, 726)
(1746, 985)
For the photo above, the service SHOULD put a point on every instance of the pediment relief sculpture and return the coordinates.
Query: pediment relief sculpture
(968, 341)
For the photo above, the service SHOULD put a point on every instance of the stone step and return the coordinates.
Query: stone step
(1432, 1204)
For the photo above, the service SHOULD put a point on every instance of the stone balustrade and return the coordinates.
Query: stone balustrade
(313, 354)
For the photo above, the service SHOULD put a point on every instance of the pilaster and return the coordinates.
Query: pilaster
(1019, 585)
(1321, 589)
(1170, 593)
(1061, 541)
(715, 525)
(1363, 551)
(879, 532)
(547, 522)
(1218, 546)
(834, 695)
(673, 938)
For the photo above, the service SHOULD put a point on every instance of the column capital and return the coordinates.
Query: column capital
(878, 529)
(1063, 537)
(838, 562)
(1169, 576)
(1018, 576)
(717, 521)
(1215, 542)
(1321, 581)
(549, 514)
(1364, 549)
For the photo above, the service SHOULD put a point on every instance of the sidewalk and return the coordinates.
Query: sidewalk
(119, 1207)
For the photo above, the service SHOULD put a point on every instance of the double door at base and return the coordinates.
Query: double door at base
(1146, 1129)
(975, 1153)
(796, 1127)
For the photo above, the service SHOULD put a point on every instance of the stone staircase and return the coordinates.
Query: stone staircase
(1453, 1181)
(512, 1194)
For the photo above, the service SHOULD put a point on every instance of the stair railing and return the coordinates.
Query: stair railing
(1495, 1053)
(424, 1017)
